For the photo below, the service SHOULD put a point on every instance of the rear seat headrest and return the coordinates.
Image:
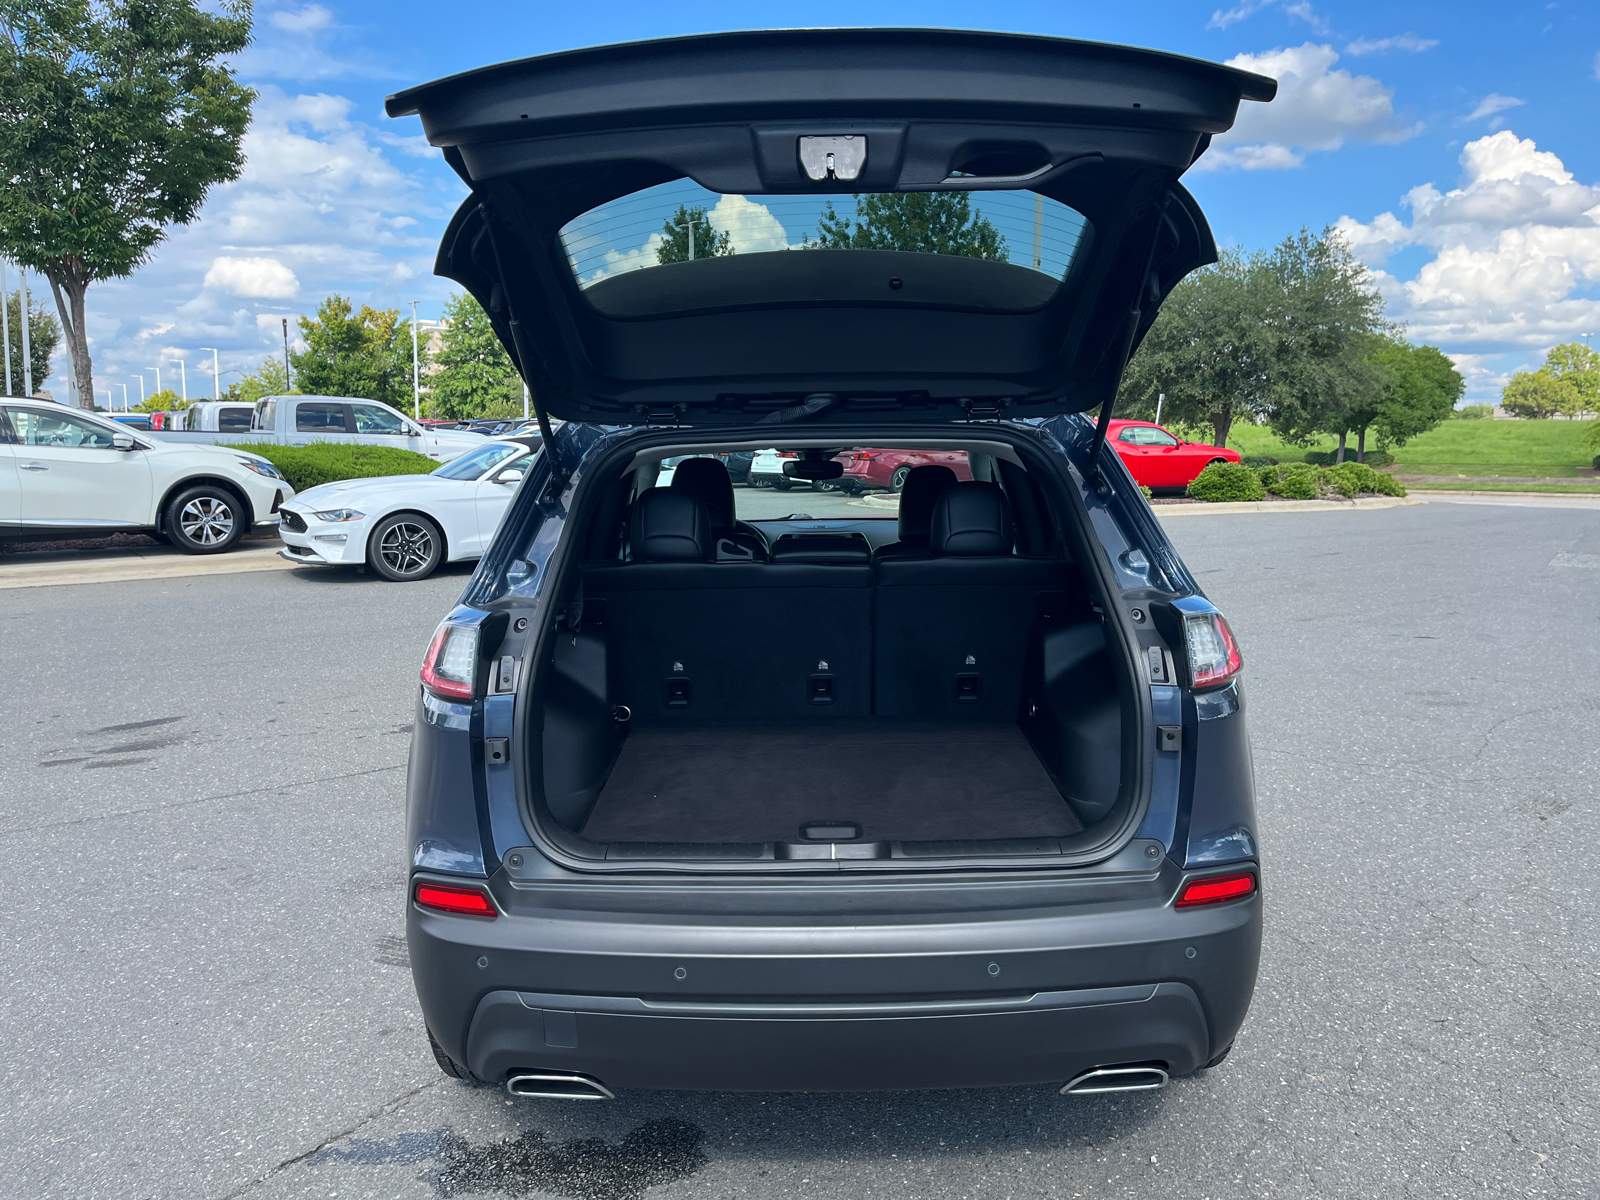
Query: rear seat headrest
(669, 526)
(707, 480)
(923, 486)
(970, 520)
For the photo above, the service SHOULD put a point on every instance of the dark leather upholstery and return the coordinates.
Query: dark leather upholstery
(970, 520)
(669, 526)
(824, 549)
(707, 480)
(923, 486)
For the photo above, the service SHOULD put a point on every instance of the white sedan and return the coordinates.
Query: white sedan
(404, 526)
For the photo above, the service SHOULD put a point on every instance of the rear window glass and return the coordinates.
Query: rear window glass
(311, 417)
(677, 221)
(233, 420)
(868, 487)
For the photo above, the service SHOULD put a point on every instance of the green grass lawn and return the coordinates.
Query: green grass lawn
(1469, 448)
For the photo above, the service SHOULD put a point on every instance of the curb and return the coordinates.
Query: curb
(122, 566)
(1201, 509)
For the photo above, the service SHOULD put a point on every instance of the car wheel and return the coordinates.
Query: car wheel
(898, 479)
(204, 519)
(782, 484)
(405, 547)
(446, 1064)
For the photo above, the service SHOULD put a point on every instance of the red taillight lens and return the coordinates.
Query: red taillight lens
(460, 901)
(451, 666)
(1216, 889)
(1213, 654)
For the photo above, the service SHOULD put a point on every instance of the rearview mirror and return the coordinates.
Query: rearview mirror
(122, 441)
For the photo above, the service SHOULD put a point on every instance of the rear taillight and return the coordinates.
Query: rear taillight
(458, 901)
(452, 663)
(1213, 654)
(1216, 888)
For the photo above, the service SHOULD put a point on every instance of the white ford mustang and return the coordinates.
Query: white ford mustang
(404, 526)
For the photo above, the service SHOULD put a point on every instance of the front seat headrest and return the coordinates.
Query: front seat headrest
(970, 519)
(706, 479)
(669, 526)
(922, 487)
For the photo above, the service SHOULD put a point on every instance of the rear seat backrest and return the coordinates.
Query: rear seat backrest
(922, 488)
(695, 640)
(951, 626)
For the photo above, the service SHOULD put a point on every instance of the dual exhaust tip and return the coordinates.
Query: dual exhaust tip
(573, 1085)
(558, 1085)
(1140, 1077)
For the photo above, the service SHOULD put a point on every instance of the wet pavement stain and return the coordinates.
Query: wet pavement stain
(132, 725)
(660, 1151)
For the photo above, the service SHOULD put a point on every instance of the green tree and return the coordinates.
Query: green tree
(708, 242)
(364, 353)
(1578, 365)
(1276, 336)
(166, 400)
(1535, 395)
(924, 222)
(44, 335)
(475, 377)
(1420, 392)
(116, 117)
(269, 379)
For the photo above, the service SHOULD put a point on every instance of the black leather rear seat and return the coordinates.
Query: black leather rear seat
(694, 639)
(951, 626)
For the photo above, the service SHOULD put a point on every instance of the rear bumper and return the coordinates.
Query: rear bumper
(1017, 998)
(1043, 1038)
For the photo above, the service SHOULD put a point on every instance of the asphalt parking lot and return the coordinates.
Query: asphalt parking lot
(205, 992)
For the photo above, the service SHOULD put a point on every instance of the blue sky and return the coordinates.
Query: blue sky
(1455, 144)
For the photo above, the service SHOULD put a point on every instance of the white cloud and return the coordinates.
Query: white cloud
(1317, 108)
(1493, 103)
(266, 278)
(1597, 64)
(1406, 43)
(751, 227)
(1221, 19)
(1513, 260)
(303, 20)
(1301, 10)
(319, 208)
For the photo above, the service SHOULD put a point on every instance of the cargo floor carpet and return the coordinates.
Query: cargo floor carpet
(759, 783)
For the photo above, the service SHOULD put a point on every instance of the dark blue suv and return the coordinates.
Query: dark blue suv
(734, 788)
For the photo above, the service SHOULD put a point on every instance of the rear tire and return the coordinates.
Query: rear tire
(781, 485)
(405, 547)
(447, 1064)
(204, 519)
(897, 481)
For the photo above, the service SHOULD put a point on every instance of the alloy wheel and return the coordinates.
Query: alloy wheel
(406, 548)
(206, 520)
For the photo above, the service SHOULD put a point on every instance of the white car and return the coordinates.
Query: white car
(68, 473)
(404, 526)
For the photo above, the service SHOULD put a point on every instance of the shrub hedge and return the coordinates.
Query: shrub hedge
(1375, 458)
(327, 462)
(1258, 460)
(1221, 482)
(1302, 481)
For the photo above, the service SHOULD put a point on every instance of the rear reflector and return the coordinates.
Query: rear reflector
(1216, 889)
(470, 902)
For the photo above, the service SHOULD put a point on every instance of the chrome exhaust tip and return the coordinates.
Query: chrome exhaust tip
(558, 1085)
(1143, 1078)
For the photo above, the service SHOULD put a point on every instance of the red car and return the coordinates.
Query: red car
(1158, 459)
(866, 470)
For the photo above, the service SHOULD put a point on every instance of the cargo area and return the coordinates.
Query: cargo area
(757, 689)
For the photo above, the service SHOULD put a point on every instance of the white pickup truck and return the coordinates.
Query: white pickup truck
(301, 420)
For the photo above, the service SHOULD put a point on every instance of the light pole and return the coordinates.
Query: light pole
(124, 388)
(689, 225)
(5, 322)
(157, 370)
(140, 378)
(286, 381)
(1160, 400)
(27, 350)
(216, 373)
(416, 376)
(183, 377)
